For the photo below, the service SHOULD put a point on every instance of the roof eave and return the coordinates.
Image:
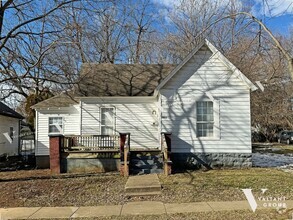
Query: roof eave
(12, 116)
(179, 66)
(231, 66)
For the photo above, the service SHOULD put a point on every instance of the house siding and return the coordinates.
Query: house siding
(71, 126)
(204, 72)
(7, 147)
(138, 119)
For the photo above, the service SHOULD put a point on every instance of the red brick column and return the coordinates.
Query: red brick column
(122, 144)
(55, 153)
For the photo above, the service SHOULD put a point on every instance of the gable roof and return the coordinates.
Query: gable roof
(62, 100)
(104, 80)
(120, 79)
(6, 111)
(108, 79)
(217, 54)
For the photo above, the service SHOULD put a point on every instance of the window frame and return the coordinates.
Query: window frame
(62, 125)
(114, 119)
(206, 122)
(216, 118)
(11, 132)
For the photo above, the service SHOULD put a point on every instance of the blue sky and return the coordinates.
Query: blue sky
(277, 14)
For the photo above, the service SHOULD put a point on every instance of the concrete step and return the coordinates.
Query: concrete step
(145, 171)
(154, 193)
(143, 185)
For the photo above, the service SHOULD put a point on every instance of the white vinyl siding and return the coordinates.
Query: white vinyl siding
(205, 76)
(9, 135)
(138, 119)
(71, 125)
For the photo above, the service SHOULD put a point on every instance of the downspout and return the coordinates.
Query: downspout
(19, 136)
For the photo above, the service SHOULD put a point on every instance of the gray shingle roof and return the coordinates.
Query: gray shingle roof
(121, 79)
(112, 80)
(6, 111)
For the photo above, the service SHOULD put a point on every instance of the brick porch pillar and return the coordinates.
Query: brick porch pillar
(55, 153)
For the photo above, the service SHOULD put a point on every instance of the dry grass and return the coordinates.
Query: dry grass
(225, 185)
(228, 215)
(17, 190)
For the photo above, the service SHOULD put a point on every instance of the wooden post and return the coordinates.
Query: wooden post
(168, 162)
(124, 171)
(55, 153)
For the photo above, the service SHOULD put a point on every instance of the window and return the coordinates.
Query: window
(107, 121)
(205, 119)
(11, 133)
(55, 125)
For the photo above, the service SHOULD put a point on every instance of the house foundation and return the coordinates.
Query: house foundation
(193, 161)
(43, 162)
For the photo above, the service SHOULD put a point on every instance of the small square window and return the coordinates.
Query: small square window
(55, 125)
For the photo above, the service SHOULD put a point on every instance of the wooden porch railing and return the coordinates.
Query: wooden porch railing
(166, 152)
(91, 143)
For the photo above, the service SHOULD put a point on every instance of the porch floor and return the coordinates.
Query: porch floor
(143, 185)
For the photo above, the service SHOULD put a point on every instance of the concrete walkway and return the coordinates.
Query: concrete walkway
(131, 208)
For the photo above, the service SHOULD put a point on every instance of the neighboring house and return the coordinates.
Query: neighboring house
(10, 122)
(204, 102)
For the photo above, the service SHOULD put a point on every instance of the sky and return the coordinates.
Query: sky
(276, 14)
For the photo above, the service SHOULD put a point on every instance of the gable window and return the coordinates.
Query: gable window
(107, 121)
(55, 125)
(205, 118)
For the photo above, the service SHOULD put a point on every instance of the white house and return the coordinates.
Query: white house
(9, 130)
(204, 102)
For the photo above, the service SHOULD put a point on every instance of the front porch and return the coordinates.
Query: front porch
(106, 153)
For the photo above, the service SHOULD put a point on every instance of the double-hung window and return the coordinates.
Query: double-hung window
(205, 118)
(55, 125)
(107, 121)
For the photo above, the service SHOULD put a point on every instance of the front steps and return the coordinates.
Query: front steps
(145, 162)
(143, 185)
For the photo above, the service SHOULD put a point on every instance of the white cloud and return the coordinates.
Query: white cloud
(259, 7)
(272, 8)
(176, 7)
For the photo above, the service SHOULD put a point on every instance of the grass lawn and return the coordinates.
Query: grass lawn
(283, 149)
(239, 215)
(21, 188)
